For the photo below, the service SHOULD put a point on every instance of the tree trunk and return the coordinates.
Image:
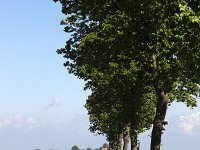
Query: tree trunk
(119, 142)
(125, 140)
(133, 140)
(159, 120)
(110, 146)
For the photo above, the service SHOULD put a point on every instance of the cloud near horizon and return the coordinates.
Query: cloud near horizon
(17, 121)
(190, 124)
(77, 126)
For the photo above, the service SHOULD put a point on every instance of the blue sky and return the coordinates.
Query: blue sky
(41, 104)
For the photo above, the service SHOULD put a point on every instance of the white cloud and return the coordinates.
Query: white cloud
(54, 102)
(190, 124)
(31, 122)
(17, 121)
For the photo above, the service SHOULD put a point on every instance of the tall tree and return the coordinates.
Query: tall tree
(160, 37)
(173, 48)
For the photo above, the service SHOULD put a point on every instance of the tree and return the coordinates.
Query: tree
(75, 147)
(114, 107)
(105, 117)
(161, 38)
(84, 70)
(171, 43)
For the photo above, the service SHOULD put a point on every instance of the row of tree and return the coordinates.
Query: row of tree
(137, 57)
(75, 147)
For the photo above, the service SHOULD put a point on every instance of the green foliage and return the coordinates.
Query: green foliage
(114, 105)
(129, 52)
(125, 33)
(75, 147)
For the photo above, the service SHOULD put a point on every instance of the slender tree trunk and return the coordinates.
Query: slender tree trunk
(125, 140)
(134, 140)
(110, 145)
(119, 136)
(159, 120)
(133, 128)
(118, 144)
